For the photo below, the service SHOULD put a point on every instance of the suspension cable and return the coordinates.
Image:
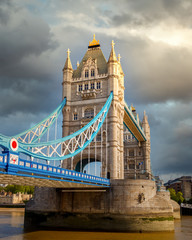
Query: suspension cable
(81, 170)
(89, 155)
(101, 149)
(55, 136)
(48, 146)
(95, 152)
(106, 150)
(72, 157)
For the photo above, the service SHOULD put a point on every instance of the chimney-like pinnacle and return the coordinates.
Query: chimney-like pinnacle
(68, 64)
(112, 57)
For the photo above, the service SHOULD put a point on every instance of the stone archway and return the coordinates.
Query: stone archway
(85, 161)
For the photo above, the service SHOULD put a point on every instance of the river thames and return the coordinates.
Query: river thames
(11, 228)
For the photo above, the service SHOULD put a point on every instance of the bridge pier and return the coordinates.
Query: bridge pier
(128, 206)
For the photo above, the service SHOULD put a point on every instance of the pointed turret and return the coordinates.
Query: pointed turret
(67, 77)
(145, 118)
(145, 125)
(146, 145)
(112, 57)
(68, 64)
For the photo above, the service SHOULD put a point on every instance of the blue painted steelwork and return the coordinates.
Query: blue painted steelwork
(134, 120)
(100, 117)
(44, 125)
(12, 164)
(3, 162)
(38, 170)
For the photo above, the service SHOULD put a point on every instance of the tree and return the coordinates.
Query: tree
(180, 197)
(19, 188)
(177, 197)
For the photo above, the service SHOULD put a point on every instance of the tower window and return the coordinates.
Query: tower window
(80, 88)
(92, 72)
(86, 73)
(86, 86)
(89, 113)
(75, 116)
(92, 85)
(98, 85)
(131, 166)
(131, 153)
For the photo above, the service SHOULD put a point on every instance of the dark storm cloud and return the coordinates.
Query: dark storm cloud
(157, 72)
(26, 72)
(149, 12)
(22, 36)
(171, 137)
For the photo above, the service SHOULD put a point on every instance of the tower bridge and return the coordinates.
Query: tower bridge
(98, 126)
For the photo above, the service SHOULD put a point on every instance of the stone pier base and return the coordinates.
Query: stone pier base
(128, 206)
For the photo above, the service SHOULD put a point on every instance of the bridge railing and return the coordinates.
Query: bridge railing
(39, 170)
(3, 160)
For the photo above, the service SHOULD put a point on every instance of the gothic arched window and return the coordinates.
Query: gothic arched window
(75, 116)
(92, 85)
(92, 72)
(89, 113)
(98, 85)
(86, 73)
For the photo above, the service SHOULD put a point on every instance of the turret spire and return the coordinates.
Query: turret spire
(112, 56)
(68, 64)
(145, 118)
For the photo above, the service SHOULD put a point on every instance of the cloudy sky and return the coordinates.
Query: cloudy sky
(154, 39)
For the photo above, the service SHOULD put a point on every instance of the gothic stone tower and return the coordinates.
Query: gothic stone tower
(87, 89)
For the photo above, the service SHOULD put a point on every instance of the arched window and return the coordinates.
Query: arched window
(92, 72)
(86, 86)
(75, 116)
(80, 87)
(92, 85)
(86, 73)
(89, 113)
(98, 85)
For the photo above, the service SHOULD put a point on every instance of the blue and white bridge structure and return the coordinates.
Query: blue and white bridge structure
(27, 160)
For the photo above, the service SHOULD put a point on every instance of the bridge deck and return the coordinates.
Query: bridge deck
(133, 125)
(39, 182)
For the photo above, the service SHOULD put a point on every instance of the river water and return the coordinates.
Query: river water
(11, 228)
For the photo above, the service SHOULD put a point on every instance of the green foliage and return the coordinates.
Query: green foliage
(159, 219)
(19, 188)
(189, 201)
(177, 197)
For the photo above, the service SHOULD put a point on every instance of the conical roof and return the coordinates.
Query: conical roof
(112, 56)
(68, 64)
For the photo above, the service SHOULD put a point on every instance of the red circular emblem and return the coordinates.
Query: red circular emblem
(14, 144)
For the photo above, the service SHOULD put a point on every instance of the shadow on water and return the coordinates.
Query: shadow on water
(11, 228)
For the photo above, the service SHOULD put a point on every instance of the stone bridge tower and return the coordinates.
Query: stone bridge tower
(87, 89)
(132, 202)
